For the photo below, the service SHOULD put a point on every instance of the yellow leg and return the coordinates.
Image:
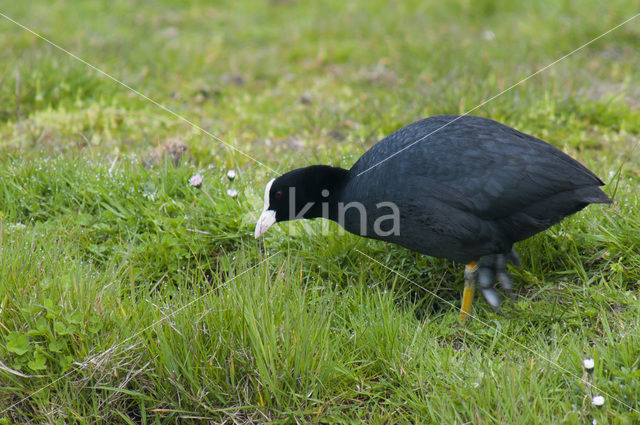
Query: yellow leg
(469, 287)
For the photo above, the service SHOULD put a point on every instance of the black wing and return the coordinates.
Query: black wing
(474, 164)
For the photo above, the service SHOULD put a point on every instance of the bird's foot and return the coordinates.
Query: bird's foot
(494, 267)
(470, 278)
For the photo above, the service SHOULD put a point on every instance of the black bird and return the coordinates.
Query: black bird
(459, 187)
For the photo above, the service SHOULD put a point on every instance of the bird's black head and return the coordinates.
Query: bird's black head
(301, 193)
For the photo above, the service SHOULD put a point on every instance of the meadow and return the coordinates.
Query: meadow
(129, 296)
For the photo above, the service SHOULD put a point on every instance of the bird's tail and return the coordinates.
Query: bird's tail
(592, 195)
(545, 214)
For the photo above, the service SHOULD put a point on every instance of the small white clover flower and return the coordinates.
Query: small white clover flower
(196, 181)
(588, 364)
(232, 193)
(231, 175)
(597, 400)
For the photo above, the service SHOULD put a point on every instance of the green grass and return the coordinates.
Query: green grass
(127, 296)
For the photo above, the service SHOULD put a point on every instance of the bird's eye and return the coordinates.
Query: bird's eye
(278, 194)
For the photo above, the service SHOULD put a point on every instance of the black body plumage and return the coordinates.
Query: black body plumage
(472, 188)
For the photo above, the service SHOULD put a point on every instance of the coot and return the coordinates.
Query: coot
(459, 187)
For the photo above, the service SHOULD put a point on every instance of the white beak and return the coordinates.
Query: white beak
(268, 217)
(266, 220)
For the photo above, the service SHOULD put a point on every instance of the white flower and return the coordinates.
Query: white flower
(232, 192)
(597, 400)
(588, 364)
(196, 181)
(488, 35)
(231, 175)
